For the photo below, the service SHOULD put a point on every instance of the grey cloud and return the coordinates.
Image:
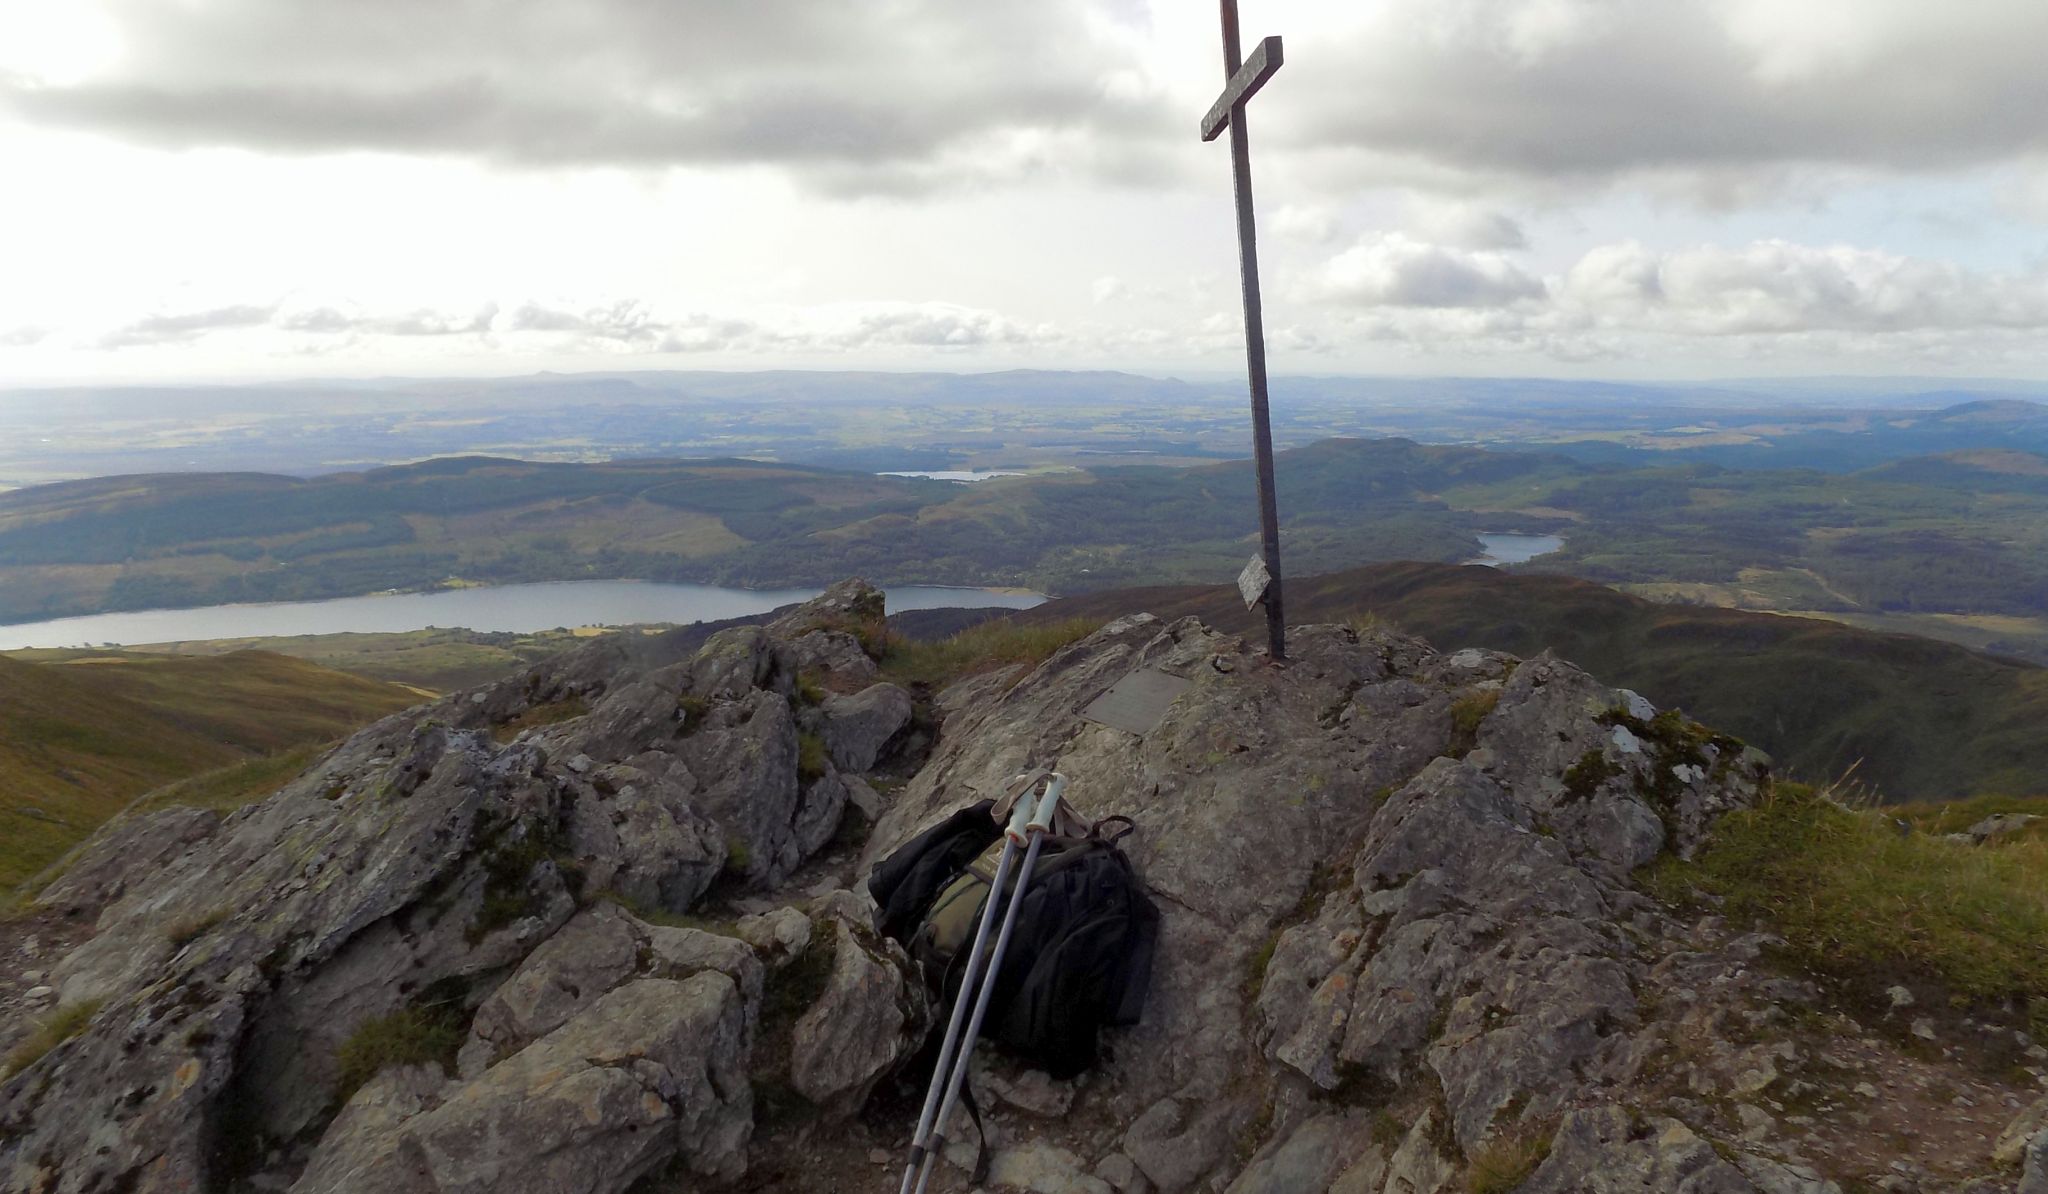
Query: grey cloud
(1468, 226)
(856, 97)
(932, 327)
(326, 321)
(1774, 287)
(1722, 93)
(23, 337)
(188, 325)
(624, 327)
(422, 322)
(1758, 299)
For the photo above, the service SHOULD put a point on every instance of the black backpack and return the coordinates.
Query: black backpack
(1080, 953)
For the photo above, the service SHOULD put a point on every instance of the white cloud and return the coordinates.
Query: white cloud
(1393, 270)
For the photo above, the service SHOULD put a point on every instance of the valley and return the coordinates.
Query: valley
(1964, 534)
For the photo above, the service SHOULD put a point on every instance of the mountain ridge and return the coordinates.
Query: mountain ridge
(1916, 718)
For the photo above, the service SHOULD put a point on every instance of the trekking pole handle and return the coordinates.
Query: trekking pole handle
(1041, 820)
(1020, 818)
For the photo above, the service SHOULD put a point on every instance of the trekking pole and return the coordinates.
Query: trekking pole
(1040, 823)
(1020, 822)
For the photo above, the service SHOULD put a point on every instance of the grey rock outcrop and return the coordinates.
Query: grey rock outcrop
(1403, 946)
(101, 872)
(430, 871)
(1381, 870)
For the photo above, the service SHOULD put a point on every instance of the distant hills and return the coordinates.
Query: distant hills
(1836, 441)
(79, 740)
(1920, 719)
(1963, 533)
(881, 421)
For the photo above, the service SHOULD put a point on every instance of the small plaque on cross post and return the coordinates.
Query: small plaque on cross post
(1253, 582)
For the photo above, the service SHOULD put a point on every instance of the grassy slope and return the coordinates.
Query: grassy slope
(1855, 897)
(79, 740)
(436, 660)
(1926, 719)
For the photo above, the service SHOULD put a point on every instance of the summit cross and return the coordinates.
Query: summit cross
(1261, 578)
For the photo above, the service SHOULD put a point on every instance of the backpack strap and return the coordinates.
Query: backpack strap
(981, 1157)
(1125, 828)
(1138, 973)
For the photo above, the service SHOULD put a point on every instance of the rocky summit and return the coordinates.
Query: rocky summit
(602, 927)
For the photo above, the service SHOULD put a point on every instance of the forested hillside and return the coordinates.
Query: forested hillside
(1965, 533)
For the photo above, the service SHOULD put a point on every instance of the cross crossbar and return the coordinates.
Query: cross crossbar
(1243, 85)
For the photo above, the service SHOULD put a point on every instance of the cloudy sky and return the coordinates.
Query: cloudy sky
(1664, 188)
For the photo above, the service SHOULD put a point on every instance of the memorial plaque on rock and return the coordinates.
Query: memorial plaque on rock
(1137, 702)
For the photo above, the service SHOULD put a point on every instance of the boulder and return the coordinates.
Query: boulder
(1612, 1150)
(2011, 1145)
(2000, 825)
(598, 950)
(733, 663)
(1311, 1158)
(846, 605)
(836, 656)
(857, 727)
(651, 1073)
(870, 1016)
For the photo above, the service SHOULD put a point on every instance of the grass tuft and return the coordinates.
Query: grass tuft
(738, 855)
(184, 931)
(811, 758)
(1466, 714)
(410, 1036)
(1506, 1161)
(535, 716)
(1849, 891)
(1584, 777)
(59, 1026)
(979, 649)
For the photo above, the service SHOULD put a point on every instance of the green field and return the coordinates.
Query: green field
(81, 739)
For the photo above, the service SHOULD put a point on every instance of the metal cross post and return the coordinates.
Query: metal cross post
(1245, 77)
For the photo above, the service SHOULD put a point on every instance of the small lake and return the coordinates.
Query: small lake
(966, 475)
(515, 608)
(1513, 549)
